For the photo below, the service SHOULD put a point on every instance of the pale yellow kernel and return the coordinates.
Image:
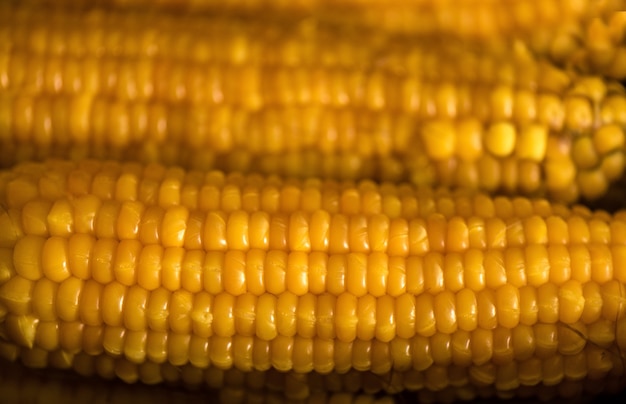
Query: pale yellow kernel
(157, 310)
(538, 265)
(258, 229)
(275, 271)
(265, 317)
(476, 232)
(179, 319)
(608, 138)
(560, 173)
(169, 189)
(21, 329)
(474, 273)
(386, 322)
(129, 219)
(601, 263)
(174, 226)
(27, 257)
(297, 278)
(481, 346)
(278, 231)
(487, 314)
(202, 315)
(560, 264)
(453, 272)
(126, 260)
(532, 142)
(89, 309)
(422, 358)
(323, 355)
(337, 234)
(47, 336)
(149, 266)
(425, 320)
(535, 230)
(134, 346)
(85, 209)
(214, 236)
(466, 309)
(20, 190)
(366, 315)
(584, 154)
(213, 272)
(325, 314)
(16, 295)
(286, 319)
(61, 218)
(418, 237)
(439, 138)
(578, 113)
(234, 272)
(495, 270)
(34, 217)
(613, 301)
(495, 232)
(112, 303)
(469, 144)
(507, 301)
(54, 258)
(178, 349)
(135, 305)
(156, 346)
(171, 267)
(437, 232)
(500, 139)
(377, 273)
(445, 312)
(299, 233)
(405, 312)
(571, 302)
(460, 347)
(396, 280)
(68, 299)
(191, 270)
(305, 316)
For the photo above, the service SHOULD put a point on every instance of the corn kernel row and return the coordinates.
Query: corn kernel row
(466, 19)
(593, 363)
(18, 385)
(267, 316)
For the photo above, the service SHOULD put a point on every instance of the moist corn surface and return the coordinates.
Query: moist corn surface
(131, 271)
(303, 98)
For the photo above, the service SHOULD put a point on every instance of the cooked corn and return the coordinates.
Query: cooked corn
(137, 266)
(303, 100)
(469, 19)
(21, 385)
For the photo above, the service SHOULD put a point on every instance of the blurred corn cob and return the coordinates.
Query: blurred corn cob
(483, 20)
(303, 99)
(598, 45)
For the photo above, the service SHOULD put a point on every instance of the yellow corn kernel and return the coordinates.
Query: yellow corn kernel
(485, 283)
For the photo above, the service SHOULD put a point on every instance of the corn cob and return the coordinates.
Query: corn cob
(130, 271)
(472, 19)
(598, 46)
(362, 106)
